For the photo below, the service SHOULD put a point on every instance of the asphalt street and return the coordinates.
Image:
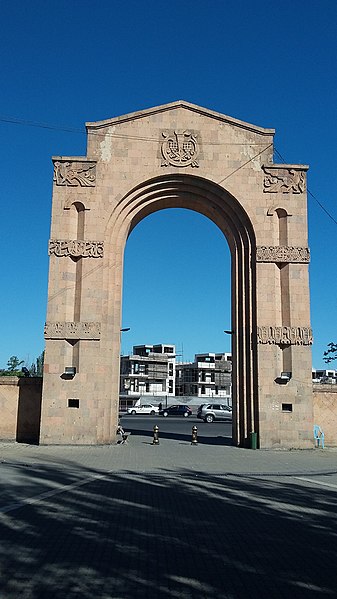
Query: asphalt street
(179, 428)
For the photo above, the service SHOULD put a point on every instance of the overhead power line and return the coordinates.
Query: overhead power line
(245, 163)
(310, 192)
(68, 129)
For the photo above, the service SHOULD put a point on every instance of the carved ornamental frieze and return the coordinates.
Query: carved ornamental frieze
(179, 148)
(284, 180)
(72, 330)
(76, 248)
(282, 253)
(273, 335)
(74, 174)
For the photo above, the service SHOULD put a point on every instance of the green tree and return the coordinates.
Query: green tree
(32, 369)
(13, 364)
(12, 369)
(331, 353)
(39, 364)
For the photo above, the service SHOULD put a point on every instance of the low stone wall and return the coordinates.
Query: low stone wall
(20, 408)
(325, 412)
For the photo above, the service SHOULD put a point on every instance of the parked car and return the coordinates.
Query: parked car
(209, 412)
(146, 408)
(179, 410)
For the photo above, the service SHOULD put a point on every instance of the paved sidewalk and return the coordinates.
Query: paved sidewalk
(174, 520)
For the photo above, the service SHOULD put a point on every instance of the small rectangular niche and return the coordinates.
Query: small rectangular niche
(73, 403)
(287, 407)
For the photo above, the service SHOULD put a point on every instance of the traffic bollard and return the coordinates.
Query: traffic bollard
(194, 435)
(155, 435)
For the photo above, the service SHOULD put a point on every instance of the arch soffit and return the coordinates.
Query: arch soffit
(182, 191)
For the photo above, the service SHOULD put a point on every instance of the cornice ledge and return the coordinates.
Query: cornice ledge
(73, 159)
(172, 106)
(295, 167)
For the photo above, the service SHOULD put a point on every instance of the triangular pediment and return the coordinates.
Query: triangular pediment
(183, 105)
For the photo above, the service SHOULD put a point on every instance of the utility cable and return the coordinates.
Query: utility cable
(68, 129)
(310, 192)
(245, 163)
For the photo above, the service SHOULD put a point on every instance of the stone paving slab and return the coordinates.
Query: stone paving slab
(140, 455)
(134, 521)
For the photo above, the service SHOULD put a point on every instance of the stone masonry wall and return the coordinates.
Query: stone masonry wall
(20, 408)
(325, 412)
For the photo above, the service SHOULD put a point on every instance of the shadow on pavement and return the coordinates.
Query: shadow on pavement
(202, 439)
(181, 535)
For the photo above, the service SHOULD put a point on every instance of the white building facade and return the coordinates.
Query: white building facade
(149, 370)
(209, 376)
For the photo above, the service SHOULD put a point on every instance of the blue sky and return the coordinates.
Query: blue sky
(65, 62)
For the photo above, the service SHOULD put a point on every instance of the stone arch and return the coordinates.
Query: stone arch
(179, 155)
(214, 202)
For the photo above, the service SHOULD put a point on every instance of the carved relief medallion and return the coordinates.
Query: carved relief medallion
(76, 248)
(75, 174)
(282, 253)
(274, 335)
(284, 180)
(72, 330)
(179, 148)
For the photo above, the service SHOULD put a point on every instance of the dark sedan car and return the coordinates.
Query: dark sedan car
(179, 410)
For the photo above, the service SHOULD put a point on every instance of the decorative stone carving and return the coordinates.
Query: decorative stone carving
(76, 248)
(284, 180)
(284, 335)
(282, 253)
(75, 174)
(179, 148)
(72, 330)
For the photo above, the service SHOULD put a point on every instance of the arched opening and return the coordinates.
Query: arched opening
(176, 291)
(211, 200)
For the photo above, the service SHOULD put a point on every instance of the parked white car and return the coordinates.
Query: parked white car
(146, 408)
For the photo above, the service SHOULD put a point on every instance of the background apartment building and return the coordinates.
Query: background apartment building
(328, 376)
(210, 375)
(149, 370)
(151, 374)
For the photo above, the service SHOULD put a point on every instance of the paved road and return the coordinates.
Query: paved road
(170, 521)
(179, 428)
